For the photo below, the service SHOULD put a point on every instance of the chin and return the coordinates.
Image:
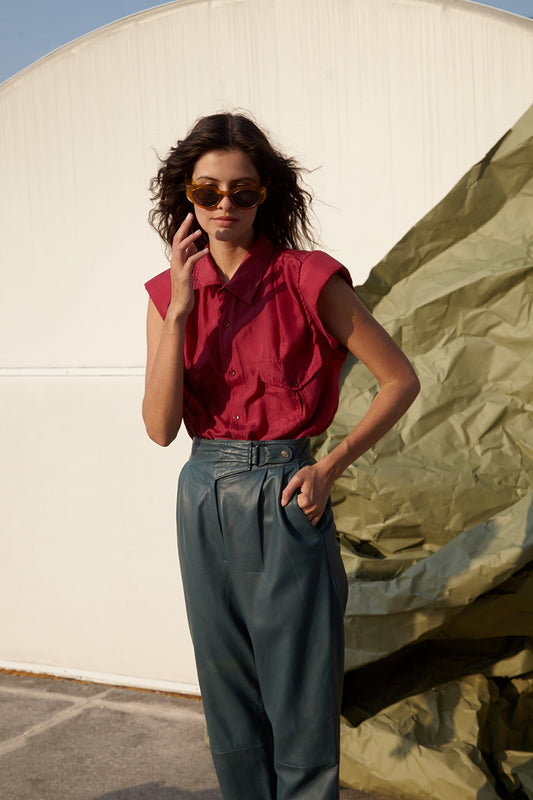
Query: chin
(225, 235)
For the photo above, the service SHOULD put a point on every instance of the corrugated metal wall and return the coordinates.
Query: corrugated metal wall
(389, 101)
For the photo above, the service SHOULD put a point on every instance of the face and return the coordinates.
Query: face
(226, 169)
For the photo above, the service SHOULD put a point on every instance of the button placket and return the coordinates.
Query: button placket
(226, 342)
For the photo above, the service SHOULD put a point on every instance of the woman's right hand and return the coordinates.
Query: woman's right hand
(184, 257)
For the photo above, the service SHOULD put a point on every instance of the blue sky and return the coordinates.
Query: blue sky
(29, 29)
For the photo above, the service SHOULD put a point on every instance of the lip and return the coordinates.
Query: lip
(225, 220)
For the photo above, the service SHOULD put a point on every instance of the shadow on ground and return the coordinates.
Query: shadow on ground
(156, 791)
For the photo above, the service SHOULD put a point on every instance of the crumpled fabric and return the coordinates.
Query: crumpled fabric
(436, 521)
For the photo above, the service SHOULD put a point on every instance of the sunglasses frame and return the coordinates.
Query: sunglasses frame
(191, 187)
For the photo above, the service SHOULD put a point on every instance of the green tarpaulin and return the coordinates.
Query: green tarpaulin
(436, 521)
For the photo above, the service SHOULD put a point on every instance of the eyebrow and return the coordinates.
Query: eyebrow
(217, 180)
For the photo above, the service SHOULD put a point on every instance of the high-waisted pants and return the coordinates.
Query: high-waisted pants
(265, 592)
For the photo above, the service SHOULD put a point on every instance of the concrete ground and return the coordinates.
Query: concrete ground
(68, 740)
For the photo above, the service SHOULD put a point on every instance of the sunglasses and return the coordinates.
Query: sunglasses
(207, 196)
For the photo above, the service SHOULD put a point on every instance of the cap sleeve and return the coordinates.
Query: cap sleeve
(160, 289)
(315, 272)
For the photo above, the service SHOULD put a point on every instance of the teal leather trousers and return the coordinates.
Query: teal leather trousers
(265, 592)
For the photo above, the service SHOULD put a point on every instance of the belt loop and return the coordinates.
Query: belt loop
(261, 457)
(254, 454)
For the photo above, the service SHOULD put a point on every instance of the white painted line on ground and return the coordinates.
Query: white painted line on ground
(74, 710)
(162, 710)
(155, 710)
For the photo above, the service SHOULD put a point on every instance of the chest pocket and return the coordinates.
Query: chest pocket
(285, 374)
(291, 391)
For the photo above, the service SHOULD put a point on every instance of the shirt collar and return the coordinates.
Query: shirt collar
(248, 277)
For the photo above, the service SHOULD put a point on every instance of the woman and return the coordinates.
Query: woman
(246, 338)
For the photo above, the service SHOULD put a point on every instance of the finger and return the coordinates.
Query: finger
(190, 250)
(197, 256)
(187, 268)
(309, 508)
(185, 255)
(182, 234)
(294, 483)
(181, 245)
(184, 227)
(303, 502)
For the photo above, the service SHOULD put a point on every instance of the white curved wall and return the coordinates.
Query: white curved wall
(392, 99)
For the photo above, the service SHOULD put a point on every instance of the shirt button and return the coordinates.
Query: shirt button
(235, 417)
(232, 372)
(226, 324)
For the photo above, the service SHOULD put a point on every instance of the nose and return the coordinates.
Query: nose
(226, 203)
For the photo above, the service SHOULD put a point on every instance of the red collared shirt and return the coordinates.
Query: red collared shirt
(259, 364)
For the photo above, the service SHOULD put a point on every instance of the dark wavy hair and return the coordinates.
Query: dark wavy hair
(284, 216)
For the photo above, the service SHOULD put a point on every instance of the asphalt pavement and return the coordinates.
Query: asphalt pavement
(63, 739)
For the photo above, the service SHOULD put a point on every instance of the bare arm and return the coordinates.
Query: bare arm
(345, 317)
(163, 395)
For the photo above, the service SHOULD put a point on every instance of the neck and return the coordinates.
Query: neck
(228, 256)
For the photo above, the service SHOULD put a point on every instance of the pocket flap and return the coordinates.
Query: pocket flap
(287, 374)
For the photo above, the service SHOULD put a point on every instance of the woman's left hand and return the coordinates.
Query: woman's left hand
(314, 486)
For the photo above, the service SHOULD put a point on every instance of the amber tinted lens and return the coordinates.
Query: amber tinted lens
(205, 196)
(245, 198)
